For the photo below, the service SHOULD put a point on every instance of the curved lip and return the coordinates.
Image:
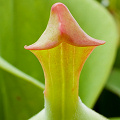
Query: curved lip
(68, 29)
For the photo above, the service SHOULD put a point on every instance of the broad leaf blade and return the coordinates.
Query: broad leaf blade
(1, 99)
(98, 66)
(19, 98)
(16, 72)
(16, 26)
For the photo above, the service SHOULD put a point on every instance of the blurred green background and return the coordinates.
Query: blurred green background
(23, 21)
(110, 97)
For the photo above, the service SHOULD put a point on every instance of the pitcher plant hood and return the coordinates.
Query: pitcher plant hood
(62, 27)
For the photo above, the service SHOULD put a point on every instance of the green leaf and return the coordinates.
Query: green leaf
(98, 66)
(115, 118)
(18, 98)
(115, 5)
(11, 69)
(23, 21)
(113, 83)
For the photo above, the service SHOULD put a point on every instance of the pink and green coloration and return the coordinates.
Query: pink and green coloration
(62, 50)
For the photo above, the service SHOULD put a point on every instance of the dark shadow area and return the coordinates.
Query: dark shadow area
(108, 104)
